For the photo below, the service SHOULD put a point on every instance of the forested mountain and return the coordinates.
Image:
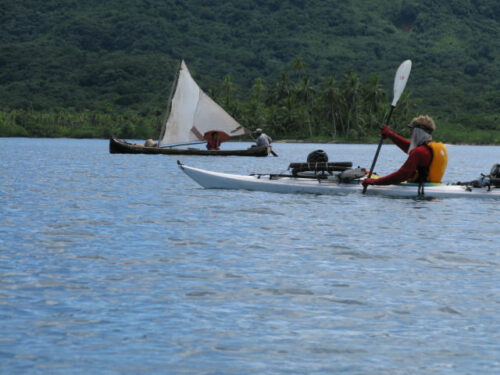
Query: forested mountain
(116, 60)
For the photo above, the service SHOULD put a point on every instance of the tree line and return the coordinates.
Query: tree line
(347, 108)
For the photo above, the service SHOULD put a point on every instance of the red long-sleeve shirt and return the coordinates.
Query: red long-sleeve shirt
(420, 156)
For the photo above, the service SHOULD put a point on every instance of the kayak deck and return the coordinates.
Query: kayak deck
(296, 185)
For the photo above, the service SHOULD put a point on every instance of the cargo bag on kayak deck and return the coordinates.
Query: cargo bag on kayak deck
(352, 175)
(317, 156)
(322, 168)
(485, 180)
(317, 165)
(495, 175)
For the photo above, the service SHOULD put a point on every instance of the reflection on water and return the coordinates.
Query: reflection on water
(120, 264)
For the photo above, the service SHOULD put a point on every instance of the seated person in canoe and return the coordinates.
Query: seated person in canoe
(262, 138)
(213, 141)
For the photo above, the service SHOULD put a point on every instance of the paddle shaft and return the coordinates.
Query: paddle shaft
(378, 149)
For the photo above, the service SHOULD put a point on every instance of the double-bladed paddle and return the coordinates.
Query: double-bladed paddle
(400, 80)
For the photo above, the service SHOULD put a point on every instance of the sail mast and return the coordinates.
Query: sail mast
(169, 104)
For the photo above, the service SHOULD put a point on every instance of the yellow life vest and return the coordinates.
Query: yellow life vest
(438, 165)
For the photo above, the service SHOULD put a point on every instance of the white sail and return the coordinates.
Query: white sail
(193, 113)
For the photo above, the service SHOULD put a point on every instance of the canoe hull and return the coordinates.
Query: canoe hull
(292, 185)
(118, 146)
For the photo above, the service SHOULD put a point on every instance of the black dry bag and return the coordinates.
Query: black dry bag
(318, 156)
(495, 171)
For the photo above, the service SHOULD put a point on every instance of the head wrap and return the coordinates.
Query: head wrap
(418, 138)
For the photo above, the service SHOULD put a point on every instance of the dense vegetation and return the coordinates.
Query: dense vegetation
(303, 69)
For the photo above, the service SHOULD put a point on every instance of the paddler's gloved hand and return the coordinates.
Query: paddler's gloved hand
(385, 131)
(368, 181)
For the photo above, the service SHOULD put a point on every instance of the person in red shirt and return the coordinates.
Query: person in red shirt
(420, 154)
(213, 141)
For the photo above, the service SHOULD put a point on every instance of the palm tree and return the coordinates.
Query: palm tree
(280, 91)
(374, 97)
(255, 108)
(305, 93)
(350, 90)
(230, 104)
(299, 66)
(331, 102)
(292, 117)
(227, 90)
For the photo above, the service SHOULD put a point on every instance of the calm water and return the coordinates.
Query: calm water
(119, 264)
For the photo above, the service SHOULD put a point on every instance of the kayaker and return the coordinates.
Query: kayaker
(427, 159)
(262, 138)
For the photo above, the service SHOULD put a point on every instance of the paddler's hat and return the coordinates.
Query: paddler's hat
(258, 131)
(423, 122)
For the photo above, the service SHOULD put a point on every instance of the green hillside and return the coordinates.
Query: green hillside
(92, 68)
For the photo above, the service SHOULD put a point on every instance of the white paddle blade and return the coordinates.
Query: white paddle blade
(400, 80)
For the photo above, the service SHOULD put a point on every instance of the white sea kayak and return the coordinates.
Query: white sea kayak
(293, 185)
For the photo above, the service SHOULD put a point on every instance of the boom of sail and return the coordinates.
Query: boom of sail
(192, 113)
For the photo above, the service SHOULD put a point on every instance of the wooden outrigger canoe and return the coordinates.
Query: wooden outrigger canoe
(118, 146)
(192, 118)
